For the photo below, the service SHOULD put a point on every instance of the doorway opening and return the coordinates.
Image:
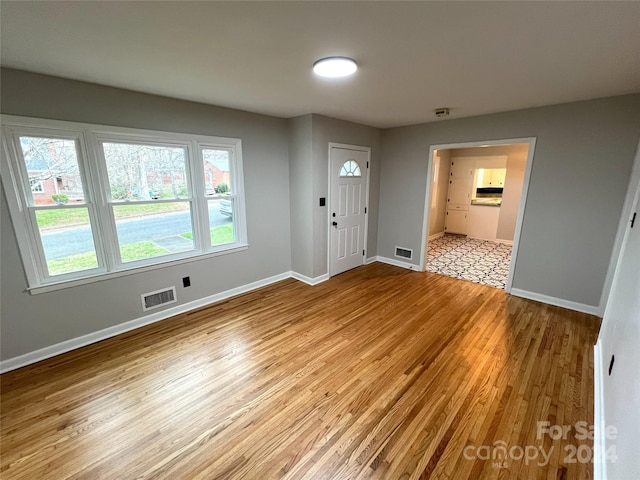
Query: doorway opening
(476, 194)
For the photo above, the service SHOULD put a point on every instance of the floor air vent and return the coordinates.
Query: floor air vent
(404, 253)
(158, 298)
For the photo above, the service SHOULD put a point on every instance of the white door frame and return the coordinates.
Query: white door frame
(357, 148)
(531, 141)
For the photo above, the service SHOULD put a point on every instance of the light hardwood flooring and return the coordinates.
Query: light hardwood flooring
(378, 373)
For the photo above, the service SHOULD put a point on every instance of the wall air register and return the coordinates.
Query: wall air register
(158, 298)
(404, 253)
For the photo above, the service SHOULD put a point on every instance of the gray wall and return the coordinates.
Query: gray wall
(581, 169)
(301, 194)
(31, 322)
(309, 138)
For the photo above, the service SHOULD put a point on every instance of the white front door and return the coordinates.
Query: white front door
(347, 208)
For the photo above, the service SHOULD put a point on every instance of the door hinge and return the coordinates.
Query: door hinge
(633, 219)
(365, 209)
(363, 253)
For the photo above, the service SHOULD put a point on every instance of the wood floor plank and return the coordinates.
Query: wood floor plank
(378, 373)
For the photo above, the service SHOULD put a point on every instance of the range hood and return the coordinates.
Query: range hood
(489, 191)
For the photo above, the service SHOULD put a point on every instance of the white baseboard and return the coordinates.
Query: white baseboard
(506, 242)
(397, 263)
(558, 302)
(72, 344)
(309, 280)
(370, 260)
(599, 447)
(435, 235)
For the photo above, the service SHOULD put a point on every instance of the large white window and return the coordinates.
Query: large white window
(88, 201)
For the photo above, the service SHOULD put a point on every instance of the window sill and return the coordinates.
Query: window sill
(51, 287)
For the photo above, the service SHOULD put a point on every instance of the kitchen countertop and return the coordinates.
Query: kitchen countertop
(487, 202)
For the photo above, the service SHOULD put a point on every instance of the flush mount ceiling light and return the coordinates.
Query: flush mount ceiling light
(335, 67)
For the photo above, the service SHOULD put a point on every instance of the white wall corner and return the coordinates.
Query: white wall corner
(558, 302)
(309, 280)
(93, 337)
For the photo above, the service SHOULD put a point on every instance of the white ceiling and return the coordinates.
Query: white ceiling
(474, 57)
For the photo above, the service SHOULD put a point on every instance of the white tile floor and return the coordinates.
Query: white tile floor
(478, 261)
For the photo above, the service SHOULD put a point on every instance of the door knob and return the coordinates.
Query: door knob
(335, 224)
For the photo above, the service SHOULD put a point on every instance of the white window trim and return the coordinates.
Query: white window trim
(97, 193)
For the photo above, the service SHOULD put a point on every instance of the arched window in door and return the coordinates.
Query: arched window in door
(350, 168)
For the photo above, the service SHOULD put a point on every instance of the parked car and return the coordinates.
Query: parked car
(226, 208)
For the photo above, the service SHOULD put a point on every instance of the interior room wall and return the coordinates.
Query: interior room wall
(582, 162)
(438, 212)
(309, 140)
(301, 194)
(31, 322)
(327, 130)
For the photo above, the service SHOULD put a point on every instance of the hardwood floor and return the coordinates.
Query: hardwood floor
(378, 373)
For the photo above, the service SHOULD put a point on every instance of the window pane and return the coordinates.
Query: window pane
(52, 166)
(153, 230)
(67, 239)
(221, 221)
(217, 174)
(145, 172)
(350, 168)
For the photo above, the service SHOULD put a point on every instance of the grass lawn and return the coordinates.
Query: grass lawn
(58, 218)
(73, 216)
(219, 235)
(133, 251)
(73, 263)
(82, 261)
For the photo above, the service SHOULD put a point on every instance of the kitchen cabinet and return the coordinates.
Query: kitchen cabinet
(459, 195)
(456, 221)
(459, 191)
(462, 167)
(491, 177)
(482, 222)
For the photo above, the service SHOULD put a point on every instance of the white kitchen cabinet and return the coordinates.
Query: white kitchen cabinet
(459, 191)
(482, 222)
(491, 177)
(462, 167)
(459, 195)
(456, 221)
(497, 177)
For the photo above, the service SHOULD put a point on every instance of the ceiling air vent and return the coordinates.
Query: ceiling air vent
(158, 298)
(404, 253)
